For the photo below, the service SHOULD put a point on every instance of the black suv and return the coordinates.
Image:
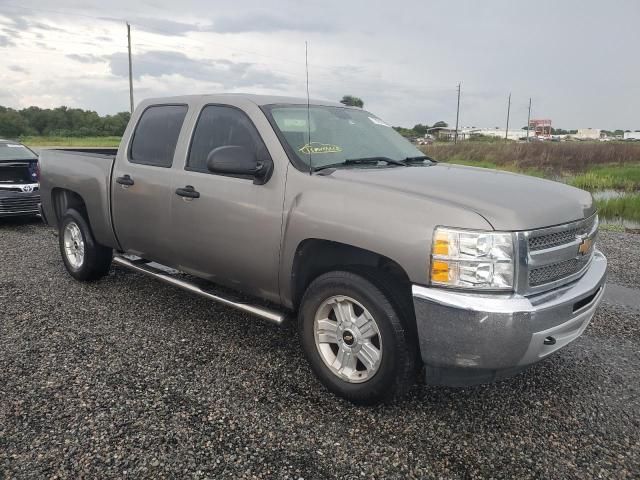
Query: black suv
(19, 189)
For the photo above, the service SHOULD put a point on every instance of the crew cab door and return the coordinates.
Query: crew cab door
(230, 234)
(141, 183)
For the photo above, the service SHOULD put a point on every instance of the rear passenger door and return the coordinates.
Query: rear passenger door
(141, 188)
(231, 233)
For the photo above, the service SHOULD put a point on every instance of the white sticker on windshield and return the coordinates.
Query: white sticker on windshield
(292, 123)
(13, 145)
(377, 121)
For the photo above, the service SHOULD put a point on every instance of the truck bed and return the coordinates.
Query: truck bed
(86, 172)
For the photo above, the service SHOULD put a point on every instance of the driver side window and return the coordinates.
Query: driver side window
(220, 126)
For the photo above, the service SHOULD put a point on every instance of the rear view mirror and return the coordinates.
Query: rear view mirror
(237, 160)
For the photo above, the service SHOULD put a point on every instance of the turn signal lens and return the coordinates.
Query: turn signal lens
(439, 271)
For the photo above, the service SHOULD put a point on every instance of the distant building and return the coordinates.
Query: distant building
(540, 128)
(446, 133)
(632, 135)
(588, 134)
(497, 132)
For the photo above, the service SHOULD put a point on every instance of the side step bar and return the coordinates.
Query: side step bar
(141, 266)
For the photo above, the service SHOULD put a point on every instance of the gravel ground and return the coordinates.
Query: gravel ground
(128, 377)
(622, 251)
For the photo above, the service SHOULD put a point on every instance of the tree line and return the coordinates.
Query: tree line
(61, 121)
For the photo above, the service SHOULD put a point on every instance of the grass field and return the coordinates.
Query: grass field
(71, 141)
(609, 177)
(550, 157)
(625, 207)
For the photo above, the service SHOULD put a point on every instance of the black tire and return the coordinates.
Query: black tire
(97, 258)
(397, 371)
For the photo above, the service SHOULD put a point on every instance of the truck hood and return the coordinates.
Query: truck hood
(508, 201)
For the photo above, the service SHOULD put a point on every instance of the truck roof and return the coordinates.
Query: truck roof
(257, 99)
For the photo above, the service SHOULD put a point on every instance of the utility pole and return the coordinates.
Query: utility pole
(529, 120)
(455, 138)
(506, 132)
(130, 70)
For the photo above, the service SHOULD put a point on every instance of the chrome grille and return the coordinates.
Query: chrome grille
(19, 204)
(554, 239)
(556, 271)
(552, 256)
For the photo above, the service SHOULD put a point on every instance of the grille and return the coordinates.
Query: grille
(19, 204)
(556, 271)
(556, 239)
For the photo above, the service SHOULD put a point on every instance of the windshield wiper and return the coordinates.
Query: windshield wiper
(418, 159)
(361, 161)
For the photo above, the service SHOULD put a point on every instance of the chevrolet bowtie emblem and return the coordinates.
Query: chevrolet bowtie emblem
(585, 246)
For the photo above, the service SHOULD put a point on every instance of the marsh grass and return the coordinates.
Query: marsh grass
(626, 206)
(553, 158)
(37, 141)
(609, 177)
(506, 167)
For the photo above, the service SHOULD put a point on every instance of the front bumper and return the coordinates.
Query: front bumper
(467, 338)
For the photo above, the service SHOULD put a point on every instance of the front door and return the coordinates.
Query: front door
(231, 233)
(141, 188)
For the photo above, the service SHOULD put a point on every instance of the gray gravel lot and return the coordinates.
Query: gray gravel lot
(623, 252)
(128, 377)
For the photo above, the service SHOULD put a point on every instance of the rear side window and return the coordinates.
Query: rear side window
(156, 135)
(220, 126)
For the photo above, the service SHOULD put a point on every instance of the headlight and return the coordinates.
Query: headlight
(474, 260)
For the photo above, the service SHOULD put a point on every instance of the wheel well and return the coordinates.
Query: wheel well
(315, 257)
(63, 200)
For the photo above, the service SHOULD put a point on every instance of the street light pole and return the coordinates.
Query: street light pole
(455, 138)
(130, 69)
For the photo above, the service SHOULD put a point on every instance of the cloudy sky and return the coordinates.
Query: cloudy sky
(577, 59)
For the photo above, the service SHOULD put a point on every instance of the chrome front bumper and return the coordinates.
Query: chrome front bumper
(468, 338)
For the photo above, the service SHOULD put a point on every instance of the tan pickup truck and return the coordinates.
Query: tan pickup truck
(390, 260)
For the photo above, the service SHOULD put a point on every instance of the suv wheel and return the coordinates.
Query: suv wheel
(84, 258)
(356, 342)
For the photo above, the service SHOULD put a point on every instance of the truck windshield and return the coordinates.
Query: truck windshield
(337, 135)
(15, 151)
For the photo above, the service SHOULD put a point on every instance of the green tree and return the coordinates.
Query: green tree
(441, 124)
(62, 121)
(352, 101)
(420, 129)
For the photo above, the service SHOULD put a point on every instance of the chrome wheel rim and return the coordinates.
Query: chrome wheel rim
(73, 245)
(348, 339)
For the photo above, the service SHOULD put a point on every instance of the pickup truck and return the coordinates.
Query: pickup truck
(390, 261)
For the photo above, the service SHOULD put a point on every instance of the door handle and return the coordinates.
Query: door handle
(188, 192)
(125, 180)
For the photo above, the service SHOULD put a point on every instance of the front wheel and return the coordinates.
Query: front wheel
(357, 343)
(84, 258)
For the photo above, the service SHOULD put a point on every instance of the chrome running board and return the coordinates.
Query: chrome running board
(167, 275)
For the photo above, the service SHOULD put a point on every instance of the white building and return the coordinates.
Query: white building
(497, 132)
(588, 134)
(632, 135)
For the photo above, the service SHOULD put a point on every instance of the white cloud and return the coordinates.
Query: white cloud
(403, 61)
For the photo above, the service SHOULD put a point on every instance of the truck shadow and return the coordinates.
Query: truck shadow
(20, 221)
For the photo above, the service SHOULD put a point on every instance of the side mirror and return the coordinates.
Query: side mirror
(237, 160)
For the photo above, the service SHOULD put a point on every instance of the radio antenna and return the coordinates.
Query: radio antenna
(306, 63)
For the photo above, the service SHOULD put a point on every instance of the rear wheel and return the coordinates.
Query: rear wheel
(357, 343)
(84, 258)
